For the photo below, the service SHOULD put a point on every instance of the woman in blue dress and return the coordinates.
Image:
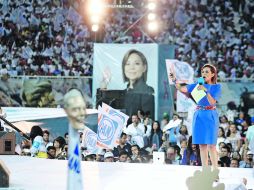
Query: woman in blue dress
(206, 119)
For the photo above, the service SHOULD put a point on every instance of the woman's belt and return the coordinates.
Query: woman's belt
(205, 107)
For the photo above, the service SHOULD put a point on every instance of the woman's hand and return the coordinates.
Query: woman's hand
(201, 87)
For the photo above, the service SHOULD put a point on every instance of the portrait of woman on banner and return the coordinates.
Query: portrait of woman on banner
(138, 94)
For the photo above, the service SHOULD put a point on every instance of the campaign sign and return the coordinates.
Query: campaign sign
(107, 130)
(119, 116)
(90, 139)
(115, 113)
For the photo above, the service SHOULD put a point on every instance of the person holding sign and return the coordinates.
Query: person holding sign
(205, 119)
(75, 108)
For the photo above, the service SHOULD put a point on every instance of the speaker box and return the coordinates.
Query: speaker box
(114, 98)
(4, 175)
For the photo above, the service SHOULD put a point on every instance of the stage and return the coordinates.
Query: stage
(42, 174)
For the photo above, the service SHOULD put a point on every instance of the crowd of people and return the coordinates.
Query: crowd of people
(43, 38)
(142, 136)
(51, 38)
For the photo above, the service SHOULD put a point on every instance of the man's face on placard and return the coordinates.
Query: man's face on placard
(76, 111)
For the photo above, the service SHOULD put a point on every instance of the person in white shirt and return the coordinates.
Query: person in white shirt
(136, 130)
(38, 148)
(46, 138)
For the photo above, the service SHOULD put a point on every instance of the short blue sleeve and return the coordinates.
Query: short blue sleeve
(215, 91)
(190, 87)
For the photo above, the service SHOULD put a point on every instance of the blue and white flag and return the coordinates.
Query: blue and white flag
(74, 161)
(66, 55)
(108, 129)
(74, 16)
(89, 141)
(27, 53)
(48, 52)
(121, 117)
(183, 71)
(58, 20)
(184, 74)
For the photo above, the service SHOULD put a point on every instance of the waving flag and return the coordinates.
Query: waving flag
(182, 70)
(89, 141)
(74, 16)
(184, 74)
(115, 113)
(121, 117)
(108, 130)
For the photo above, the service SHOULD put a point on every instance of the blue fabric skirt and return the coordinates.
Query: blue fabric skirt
(205, 127)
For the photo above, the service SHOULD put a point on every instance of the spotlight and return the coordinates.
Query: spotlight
(95, 19)
(151, 16)
(152, 26)
(151, 5)
(95, 27)
(96, 7)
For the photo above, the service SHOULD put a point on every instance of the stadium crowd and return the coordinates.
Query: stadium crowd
(142, 136)
(51, 38)
(43, 38)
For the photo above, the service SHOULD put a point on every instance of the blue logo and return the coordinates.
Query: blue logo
(116, 115)
(106, 130)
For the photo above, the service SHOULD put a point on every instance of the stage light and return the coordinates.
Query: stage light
(95, 27)
(96, 7)
(151, 5)
(152, 26)
(151, 16)
(95, 19)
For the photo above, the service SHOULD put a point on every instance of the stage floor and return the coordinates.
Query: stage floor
(42, 174)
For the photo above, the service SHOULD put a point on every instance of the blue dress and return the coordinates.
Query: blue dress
(205, 122)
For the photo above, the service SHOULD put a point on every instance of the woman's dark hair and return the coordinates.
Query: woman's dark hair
(35, 131)
(231, 105)
(229, 132)
(224, 117)
(178, 150)
(186, 130)
(157, 130)
(61, 141)
(223, 132)
(213, 70)
(135, 145)
(144, 62)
